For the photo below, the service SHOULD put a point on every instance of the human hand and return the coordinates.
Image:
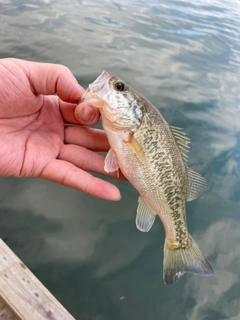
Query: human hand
(33, 137)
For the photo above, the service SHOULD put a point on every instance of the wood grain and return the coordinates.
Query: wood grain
(22, 294)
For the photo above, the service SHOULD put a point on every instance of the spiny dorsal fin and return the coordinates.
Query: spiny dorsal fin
(182, 141)
(145, 217)
(196, 185)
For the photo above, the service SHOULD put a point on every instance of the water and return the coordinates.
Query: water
(184, 57)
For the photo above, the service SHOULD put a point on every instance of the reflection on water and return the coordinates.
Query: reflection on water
(184, 57)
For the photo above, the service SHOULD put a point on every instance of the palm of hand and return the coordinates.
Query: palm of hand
(33, 137)
(31, 130)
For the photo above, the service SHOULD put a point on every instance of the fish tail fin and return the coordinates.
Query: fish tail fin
(180, 261)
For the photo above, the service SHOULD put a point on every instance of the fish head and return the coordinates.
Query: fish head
(119, 105)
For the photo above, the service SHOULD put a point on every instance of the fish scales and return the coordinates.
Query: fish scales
(166, 171)
(152, 156)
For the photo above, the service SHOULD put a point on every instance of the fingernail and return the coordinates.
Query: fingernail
(120, 197)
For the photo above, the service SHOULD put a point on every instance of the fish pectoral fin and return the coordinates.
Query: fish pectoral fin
(145, 217)
(111, 163)
(135, 146)
(180, 261)
(196, 185)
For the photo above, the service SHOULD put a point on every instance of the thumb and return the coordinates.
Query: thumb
(86, 114)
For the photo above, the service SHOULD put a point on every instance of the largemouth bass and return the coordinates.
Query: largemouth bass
(153, 157)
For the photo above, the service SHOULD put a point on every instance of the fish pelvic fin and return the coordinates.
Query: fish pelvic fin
(180, 261)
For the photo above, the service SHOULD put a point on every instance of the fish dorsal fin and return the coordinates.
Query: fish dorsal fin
(111, 163)
(145, 217)
(182, 141)
(196, 185)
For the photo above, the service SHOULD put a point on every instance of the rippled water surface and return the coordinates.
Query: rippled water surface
(185, 58)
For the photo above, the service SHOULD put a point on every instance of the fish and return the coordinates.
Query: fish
(153, 157)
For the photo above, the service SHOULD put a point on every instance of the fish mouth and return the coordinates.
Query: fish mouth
(97, 89)
(99, 83)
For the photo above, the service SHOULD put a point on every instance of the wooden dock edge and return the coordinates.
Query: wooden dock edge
(22, 295)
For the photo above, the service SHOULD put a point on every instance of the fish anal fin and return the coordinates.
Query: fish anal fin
(145, 217)
(196, 185)
(180, 261)
(111, 163)
(182, 141)
(135, 146)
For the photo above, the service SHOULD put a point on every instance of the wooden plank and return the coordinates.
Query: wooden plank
(5, 313)
(23, 294)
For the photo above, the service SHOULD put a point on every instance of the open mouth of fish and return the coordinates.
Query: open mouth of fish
(97, 89)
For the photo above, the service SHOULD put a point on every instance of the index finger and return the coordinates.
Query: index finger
(49, 79)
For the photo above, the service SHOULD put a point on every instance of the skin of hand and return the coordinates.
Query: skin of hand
(36, 101)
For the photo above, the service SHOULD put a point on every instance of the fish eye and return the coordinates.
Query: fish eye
(119, 86)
